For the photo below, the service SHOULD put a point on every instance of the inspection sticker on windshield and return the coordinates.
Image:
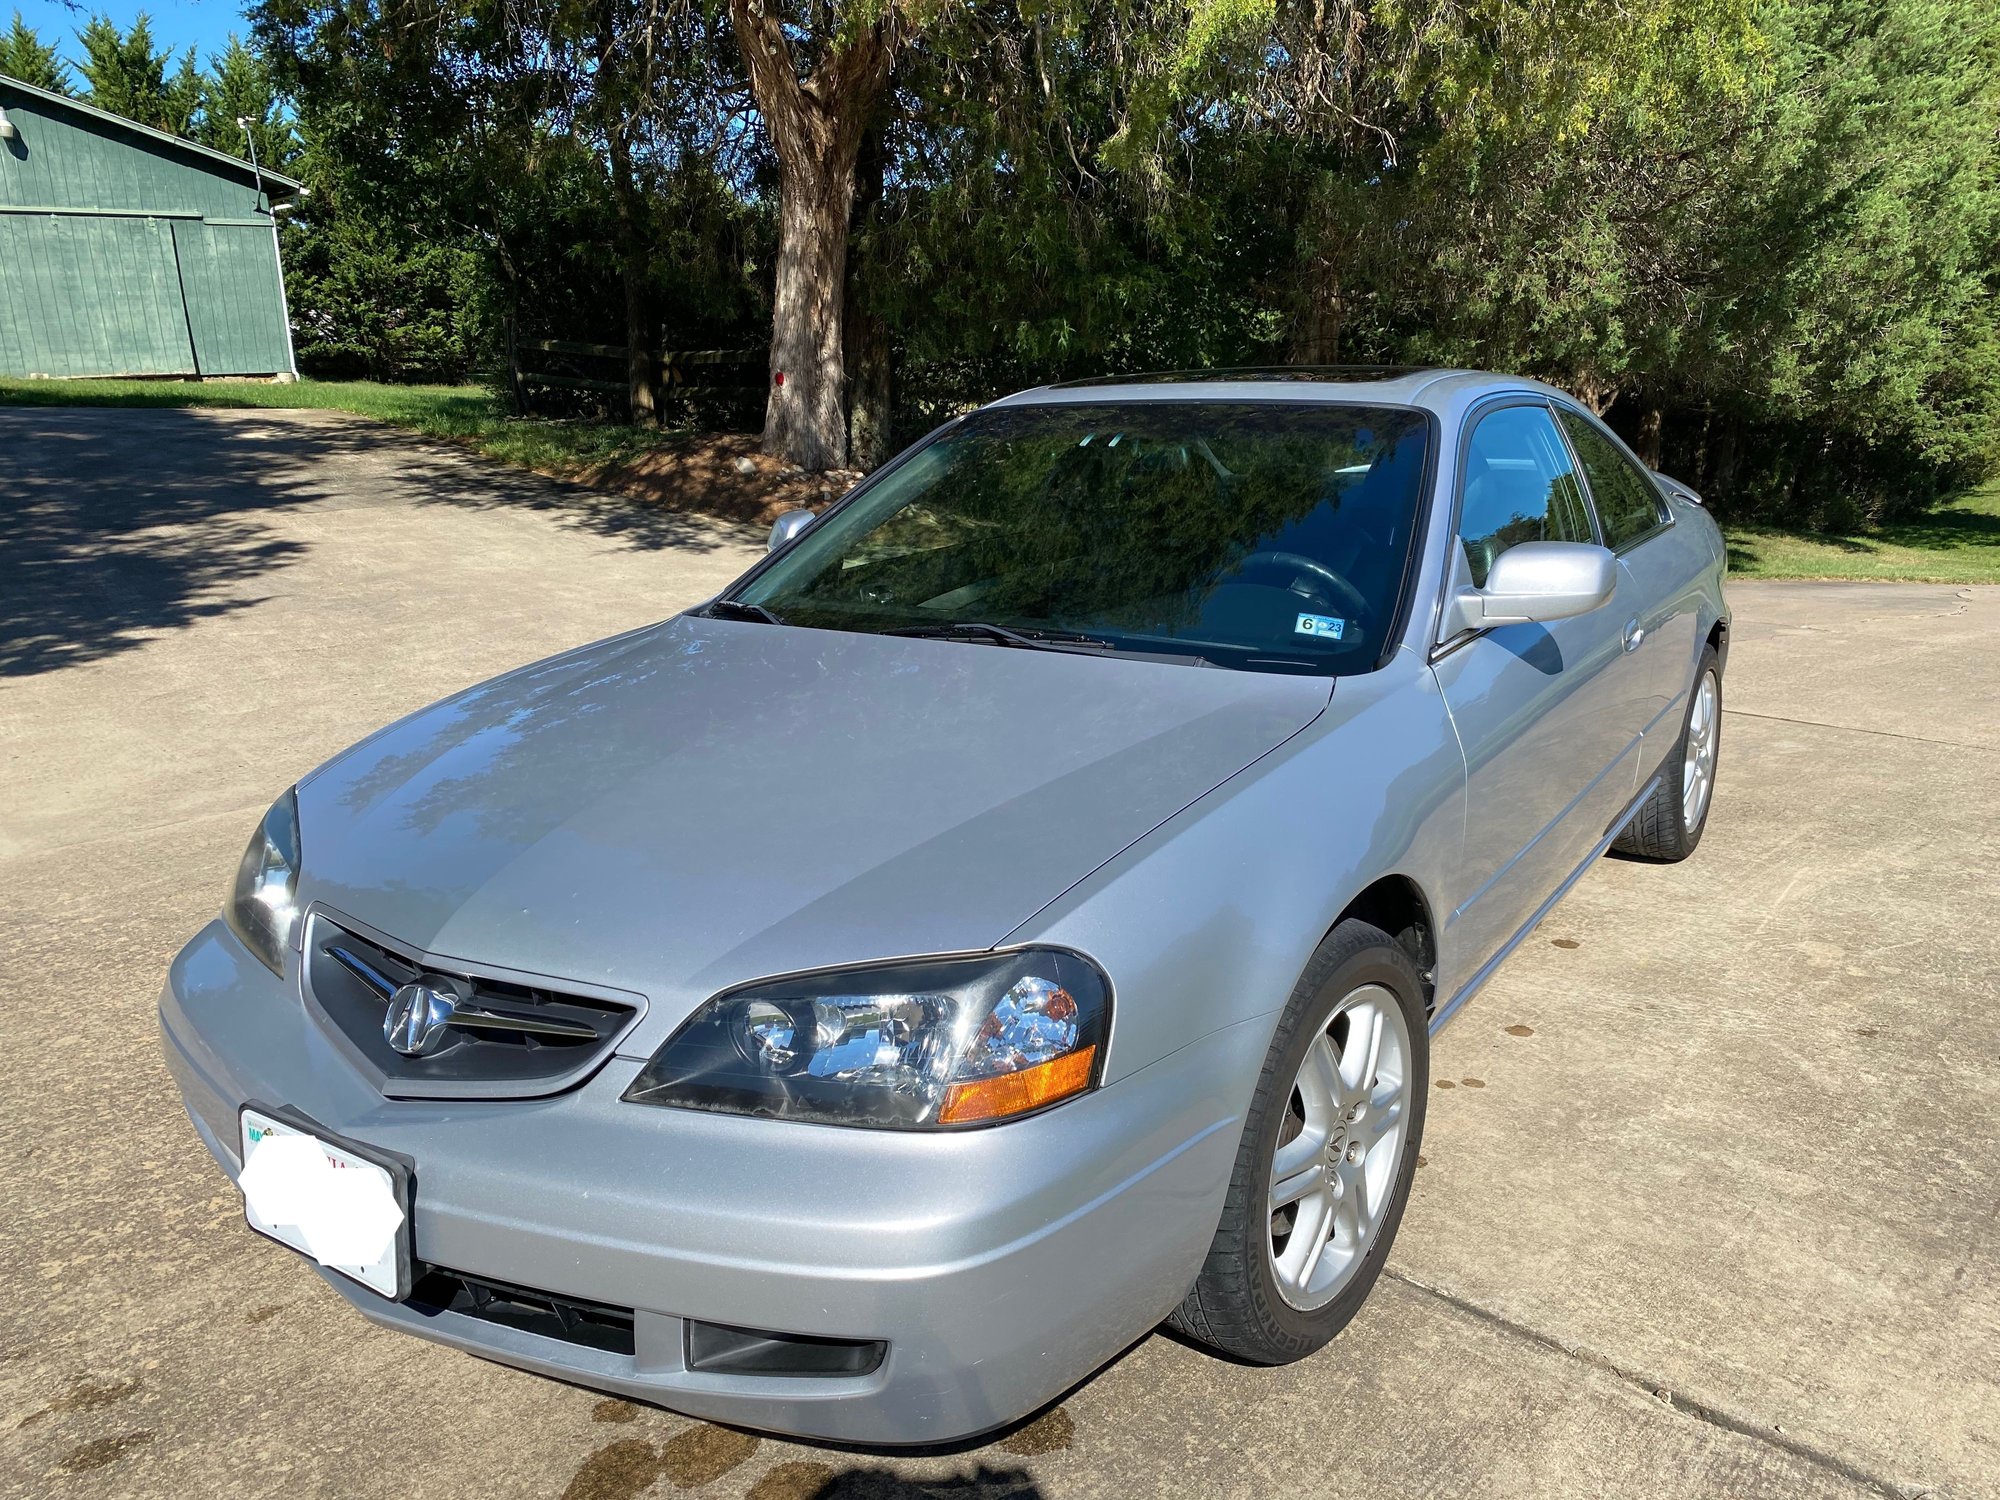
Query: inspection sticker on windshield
(1325, 625)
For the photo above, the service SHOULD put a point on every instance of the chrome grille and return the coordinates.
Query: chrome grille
(505, 1037)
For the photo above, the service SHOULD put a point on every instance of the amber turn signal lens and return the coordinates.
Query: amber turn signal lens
(1016, 1093)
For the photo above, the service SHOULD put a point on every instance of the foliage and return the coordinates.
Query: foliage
(239, 87)
(25, 56)
(1763, 236)
(489, 135)
(368, 302)
(127, 77)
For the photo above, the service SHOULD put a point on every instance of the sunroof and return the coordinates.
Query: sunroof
(1317, 374)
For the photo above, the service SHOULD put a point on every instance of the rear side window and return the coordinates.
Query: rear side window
(1627, 503)
(1520, 486)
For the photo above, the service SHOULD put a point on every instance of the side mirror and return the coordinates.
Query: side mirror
(787, 526)
(1537, 582)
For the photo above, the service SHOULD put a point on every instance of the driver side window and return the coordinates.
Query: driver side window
(1519, 486)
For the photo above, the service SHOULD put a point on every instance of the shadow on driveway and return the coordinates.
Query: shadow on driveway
(117, 524)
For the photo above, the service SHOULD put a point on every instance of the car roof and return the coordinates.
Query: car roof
(1389, 385)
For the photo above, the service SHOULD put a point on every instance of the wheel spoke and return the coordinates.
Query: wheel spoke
(1301, 1151)
(1362, 1191)
(1289, 1187)
(1320, 1086)
(1314, 1250)
(1350, 1214)
(1362, 1054)
(1308, 1236)
(1385, 1114)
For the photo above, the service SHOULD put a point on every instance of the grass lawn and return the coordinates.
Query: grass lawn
(1957, 543)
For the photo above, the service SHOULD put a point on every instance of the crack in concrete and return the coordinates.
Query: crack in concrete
(1688, 1406)
(1887, 734)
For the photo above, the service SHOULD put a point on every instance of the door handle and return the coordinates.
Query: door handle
(1635, 635)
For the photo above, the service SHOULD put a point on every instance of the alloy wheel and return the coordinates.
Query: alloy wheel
(1698, 764)
(1340, 1148)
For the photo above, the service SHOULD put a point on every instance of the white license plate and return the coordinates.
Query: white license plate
(327, 1200)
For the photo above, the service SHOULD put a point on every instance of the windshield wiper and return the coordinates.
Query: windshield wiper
(999, 635)
(739, 609)
(1035, 640)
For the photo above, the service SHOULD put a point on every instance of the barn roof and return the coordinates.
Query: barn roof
(276, 184)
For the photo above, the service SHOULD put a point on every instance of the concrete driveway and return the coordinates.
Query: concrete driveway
(1711, 1194)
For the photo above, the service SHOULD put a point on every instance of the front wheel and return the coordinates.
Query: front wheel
(1329, 1148)
(1669, 824)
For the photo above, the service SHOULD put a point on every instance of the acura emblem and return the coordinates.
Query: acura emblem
(415, 1022)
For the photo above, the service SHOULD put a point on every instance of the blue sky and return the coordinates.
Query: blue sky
(177, 24)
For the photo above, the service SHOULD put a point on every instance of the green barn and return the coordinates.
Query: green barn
(127, 251)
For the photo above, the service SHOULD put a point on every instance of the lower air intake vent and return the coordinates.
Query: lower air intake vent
(590, 1324)
(716, 1349)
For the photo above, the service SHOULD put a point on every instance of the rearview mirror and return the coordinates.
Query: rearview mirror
(1537, 582)
(787, 526)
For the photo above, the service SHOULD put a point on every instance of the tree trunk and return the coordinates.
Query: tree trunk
(516, 387)
(816, 128)
(870, 369)
(871, 390)
(641, 406)
(1594, 393)
(1650, 423)
(805, 418)
(1719, 482)
(1316, 335)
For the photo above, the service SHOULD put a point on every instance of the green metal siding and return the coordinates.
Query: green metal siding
(67, 160)
(229, 275)
(91, 296)
(125, 254)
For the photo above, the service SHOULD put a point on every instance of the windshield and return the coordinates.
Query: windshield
(1268, 537)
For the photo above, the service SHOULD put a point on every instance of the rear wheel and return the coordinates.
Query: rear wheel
(1669, 823)
(1328, 1151)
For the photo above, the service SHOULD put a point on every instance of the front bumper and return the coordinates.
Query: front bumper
(1000, 1265)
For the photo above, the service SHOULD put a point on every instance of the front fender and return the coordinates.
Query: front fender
(1209, 920)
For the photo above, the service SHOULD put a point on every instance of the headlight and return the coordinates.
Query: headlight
(906, 1046)
(263, 902)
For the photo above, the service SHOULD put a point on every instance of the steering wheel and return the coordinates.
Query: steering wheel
(1350, 597)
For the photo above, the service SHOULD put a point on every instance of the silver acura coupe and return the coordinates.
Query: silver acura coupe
(1013, 915)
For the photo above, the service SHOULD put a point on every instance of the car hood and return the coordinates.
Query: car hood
(704, 802)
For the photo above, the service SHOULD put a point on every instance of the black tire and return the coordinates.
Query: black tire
(1234, 1306)
(1659, 831)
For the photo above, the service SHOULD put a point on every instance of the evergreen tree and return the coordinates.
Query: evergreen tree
(23, 56)
(239, 87)
(127, 77)
(180, 99)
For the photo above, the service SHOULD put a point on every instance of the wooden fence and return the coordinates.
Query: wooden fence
(674, 368)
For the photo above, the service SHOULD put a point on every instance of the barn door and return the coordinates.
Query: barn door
(229, 274)
(91, 294)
